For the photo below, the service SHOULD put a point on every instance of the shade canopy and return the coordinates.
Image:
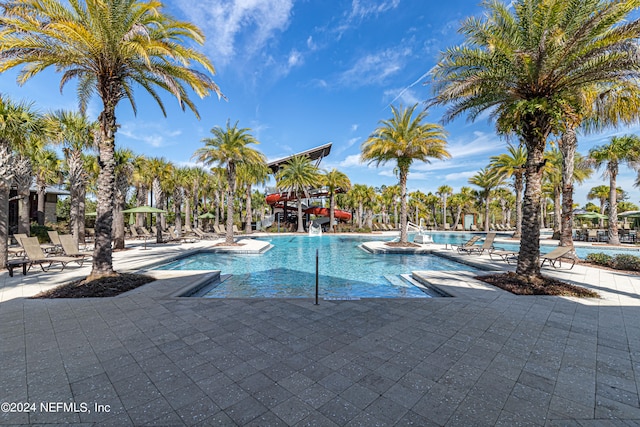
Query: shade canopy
(592, 215)
(144, 209)
(630, 214)
(207, 215)
(91, 214)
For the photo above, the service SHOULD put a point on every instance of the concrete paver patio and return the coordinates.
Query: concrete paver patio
(484, 357)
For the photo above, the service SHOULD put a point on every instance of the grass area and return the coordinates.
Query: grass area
(542, 286)
(109, 286)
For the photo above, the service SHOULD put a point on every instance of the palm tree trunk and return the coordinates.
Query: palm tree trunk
(567, 146)
(613, 206)
(529, 258)
(6, 175)
(557, 213)
(41, 188)
(247, 226)
(300, 224)
(187, 211)
(486, 213)
(403, 205)
(231, 179)
(518, 184)
(118, 225)
(23, 178)
(177, 204)
(81, 213)
(102, 253)
(141, 200)
(360, 215)
(332, 209)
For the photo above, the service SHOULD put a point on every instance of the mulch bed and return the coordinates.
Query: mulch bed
(109, 286)
(402, 245)
(228, 244)
(543, 286)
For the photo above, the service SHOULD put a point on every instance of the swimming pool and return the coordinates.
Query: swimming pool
(288, 270)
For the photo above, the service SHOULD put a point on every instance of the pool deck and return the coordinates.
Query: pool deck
(484, 357)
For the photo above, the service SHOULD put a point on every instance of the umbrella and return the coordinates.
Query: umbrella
(207, 215)
(144, 209)
(91, 214)
(630, 214)
(592, 215)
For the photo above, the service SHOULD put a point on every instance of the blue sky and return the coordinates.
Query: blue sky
(304, 73)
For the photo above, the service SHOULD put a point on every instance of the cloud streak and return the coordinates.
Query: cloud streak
(238, 25)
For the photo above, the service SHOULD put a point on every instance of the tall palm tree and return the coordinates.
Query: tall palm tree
(141, 180)
(335, 180)
(390, 196)
(297, 176)
(109, 46)
(404, 139)
(444, 191)
(250, 175)
(512, 164)
(161, 171)
(619, 151)
(531, 81)
(76, 134)
(487, 179)
(228, 148)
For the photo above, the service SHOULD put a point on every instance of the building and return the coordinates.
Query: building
(51, 200)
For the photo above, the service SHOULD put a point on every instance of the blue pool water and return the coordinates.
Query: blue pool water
(288, 270)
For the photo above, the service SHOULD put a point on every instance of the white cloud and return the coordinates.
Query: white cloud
(480, 144)
(459, 175)
(237, 26)
(363, 8)
(151, 134)
(311, 44)
(374, 68)
(350, 161)
(354, 127)
(406, 96)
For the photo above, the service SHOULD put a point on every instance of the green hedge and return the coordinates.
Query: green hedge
(619, 261)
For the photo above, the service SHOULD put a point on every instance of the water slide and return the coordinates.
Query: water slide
(276, 198)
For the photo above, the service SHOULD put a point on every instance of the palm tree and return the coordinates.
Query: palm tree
(141, 180)
(297, 176)
(358, 195)
(620, 150)
(46, 168)
(390, 196)
(512, 164)
(77, 135)
(531, 81)
(250, 175)
(124, 172)
(108, 45)
(461, 202)
(600, 193)
(553, 174)
(228, 148)
(444, 191)
(160, 170)
(17, 120)
(404, 139)
(487, 179)
(335, 181)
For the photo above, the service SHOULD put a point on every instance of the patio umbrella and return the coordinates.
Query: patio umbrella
(91, 214)
(207, 215)
(592, 215)
(144, 209)
(630, 214)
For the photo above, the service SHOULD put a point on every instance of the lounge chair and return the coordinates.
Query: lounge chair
(35, 255)
(487, 245)
(473, 227)
(469, 242)
(47, 247)
(70, 247)
(203, 234)
(506, 256)
(556, 256)
(134, 233)
(459, 227)
(236, 231)
(54, 237)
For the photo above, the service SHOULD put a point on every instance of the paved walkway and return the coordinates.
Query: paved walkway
(484, 357)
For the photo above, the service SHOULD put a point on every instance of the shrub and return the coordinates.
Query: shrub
(40, 231)
(599, 258)
(626, 262)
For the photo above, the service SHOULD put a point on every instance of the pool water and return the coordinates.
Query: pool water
(288, 270)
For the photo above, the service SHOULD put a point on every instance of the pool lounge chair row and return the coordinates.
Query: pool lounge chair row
(33, 253)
